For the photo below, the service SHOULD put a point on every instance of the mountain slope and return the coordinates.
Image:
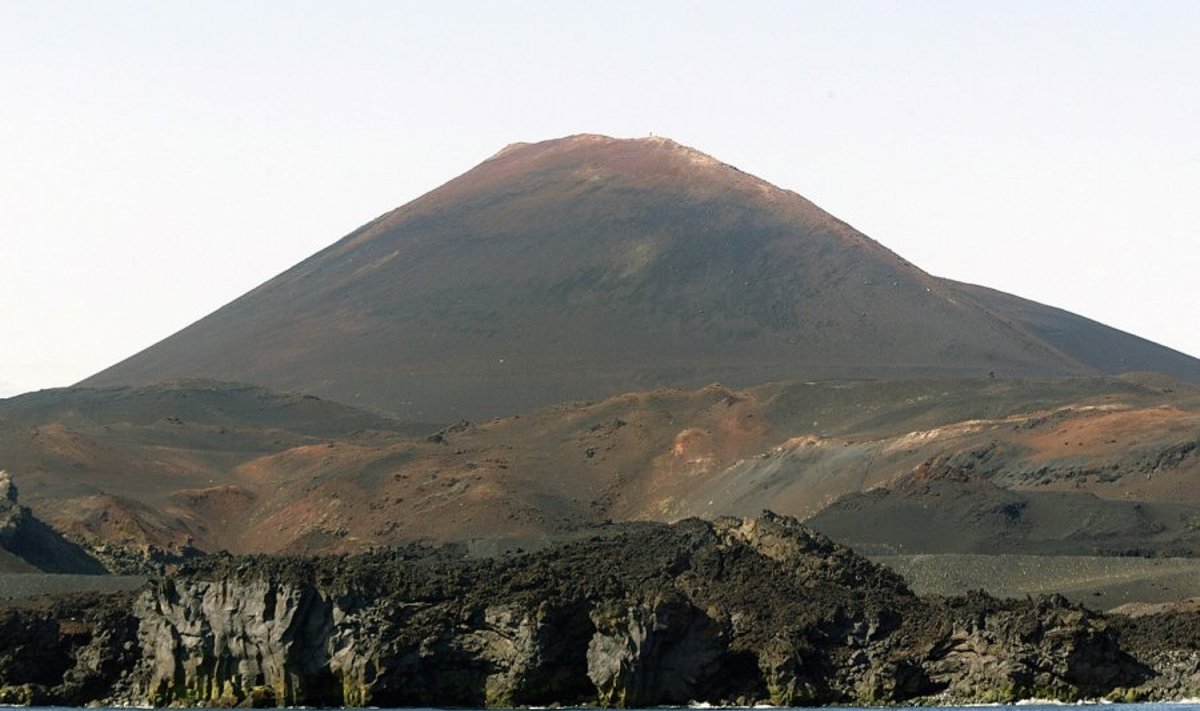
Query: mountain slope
(1076, 465)
(587, 266)
(1093, 344)
(155, 466)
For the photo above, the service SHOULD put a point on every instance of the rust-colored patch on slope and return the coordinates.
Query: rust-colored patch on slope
(659, 454)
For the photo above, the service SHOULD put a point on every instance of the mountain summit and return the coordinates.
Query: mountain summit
(585, 266)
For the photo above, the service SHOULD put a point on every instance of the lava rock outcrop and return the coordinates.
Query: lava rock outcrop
(732, 611)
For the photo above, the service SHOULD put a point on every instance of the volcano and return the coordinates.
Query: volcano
(577, 268)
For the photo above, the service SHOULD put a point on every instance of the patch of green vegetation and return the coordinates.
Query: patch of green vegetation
(1001, 695)
(1127, 695)
(1055, 693)
(793, 694)
(353, 693)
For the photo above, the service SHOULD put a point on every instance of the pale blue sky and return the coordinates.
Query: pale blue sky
(158, 159)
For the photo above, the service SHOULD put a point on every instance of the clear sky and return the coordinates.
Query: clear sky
(160, 158)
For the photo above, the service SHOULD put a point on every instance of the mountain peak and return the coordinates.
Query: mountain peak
(585, 266)
(593, 146)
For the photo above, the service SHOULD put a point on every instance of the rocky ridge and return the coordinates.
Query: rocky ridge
(735, 611)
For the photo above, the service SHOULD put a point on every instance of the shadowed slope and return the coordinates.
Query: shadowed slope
(27, 545)
(587, 266)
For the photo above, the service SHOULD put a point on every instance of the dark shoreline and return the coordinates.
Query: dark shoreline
(732, 613)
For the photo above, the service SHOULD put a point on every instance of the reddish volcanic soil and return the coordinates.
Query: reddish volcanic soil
(300, 474)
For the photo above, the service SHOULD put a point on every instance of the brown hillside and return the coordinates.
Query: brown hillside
(588, 266)
(1076, 465)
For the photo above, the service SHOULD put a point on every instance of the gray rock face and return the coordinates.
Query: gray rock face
(220, 640)
(663, 652)
(726, 612)
(298, 643)
(1052, 650)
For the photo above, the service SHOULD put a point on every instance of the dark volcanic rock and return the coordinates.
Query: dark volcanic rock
(67, 650)
(733, 611)
(1168, 641)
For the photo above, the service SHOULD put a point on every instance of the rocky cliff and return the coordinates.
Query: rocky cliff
(731, 611)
